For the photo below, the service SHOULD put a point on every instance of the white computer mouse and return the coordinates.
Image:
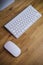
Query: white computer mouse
(12, 48)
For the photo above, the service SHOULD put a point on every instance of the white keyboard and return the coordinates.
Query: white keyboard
(23, 21)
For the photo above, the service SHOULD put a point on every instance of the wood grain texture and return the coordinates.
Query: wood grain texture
(31, 42)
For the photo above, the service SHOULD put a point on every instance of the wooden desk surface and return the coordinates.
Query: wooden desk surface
(31, 42)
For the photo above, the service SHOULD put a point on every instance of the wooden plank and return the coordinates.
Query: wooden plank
(31, 42)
